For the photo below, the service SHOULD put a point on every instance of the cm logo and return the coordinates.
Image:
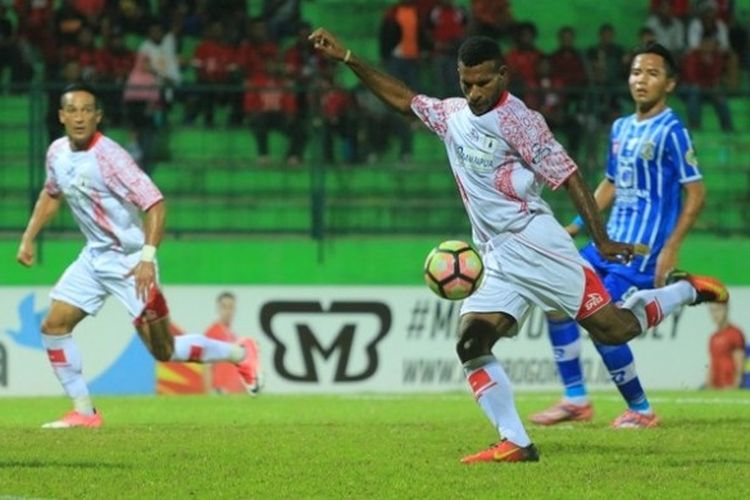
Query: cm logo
(306, 336)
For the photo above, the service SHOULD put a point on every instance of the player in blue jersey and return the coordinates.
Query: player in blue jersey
(656, 192)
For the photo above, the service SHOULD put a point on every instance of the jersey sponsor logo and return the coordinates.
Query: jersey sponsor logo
(630, 145)
(309, 338)
(475, 160)
(592, 301)
(625, 175)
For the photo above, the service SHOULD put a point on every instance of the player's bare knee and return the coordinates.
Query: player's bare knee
(54, 326)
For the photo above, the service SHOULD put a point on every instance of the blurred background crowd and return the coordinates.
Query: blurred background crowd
(239, 63)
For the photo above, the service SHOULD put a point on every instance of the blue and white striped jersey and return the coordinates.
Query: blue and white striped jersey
(648, 162)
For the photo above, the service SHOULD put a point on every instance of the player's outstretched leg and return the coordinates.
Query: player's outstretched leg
(491, 388)
(153, 328)
(708, 289)
(66, 362)
(644, 309)
(566, 346)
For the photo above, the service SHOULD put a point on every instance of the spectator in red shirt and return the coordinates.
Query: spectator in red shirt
(523, 59)
(492, 18)
(567, 63)
(446, 24)
(68, 24)
(213, 62)
(270, 103)
(702, 73)
(85, 52)
(223, 378)
(36, 27)
(339, 116)
(726, 350)
(677, 8)
(255, 49)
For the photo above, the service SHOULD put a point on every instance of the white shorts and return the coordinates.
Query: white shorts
(541, 266)
(95, 275)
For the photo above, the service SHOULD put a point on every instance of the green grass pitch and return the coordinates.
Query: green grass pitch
(368, 447)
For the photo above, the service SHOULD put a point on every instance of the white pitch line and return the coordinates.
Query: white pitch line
(686, 400)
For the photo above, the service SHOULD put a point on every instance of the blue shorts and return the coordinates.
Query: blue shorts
(620, 280)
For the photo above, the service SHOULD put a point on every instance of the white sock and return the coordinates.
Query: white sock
(491, 388)
(66, 362)
(201, 349)
(652, 306)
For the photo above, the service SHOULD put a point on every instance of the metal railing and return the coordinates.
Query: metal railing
(216, 183)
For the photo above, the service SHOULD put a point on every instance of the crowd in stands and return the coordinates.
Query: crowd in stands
(262, 73)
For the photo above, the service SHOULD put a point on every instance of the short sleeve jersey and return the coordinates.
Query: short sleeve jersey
(500, 160)
(105, 189)
(648, 162)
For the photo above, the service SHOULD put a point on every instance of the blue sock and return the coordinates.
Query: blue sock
(566, 345)
(619, 362)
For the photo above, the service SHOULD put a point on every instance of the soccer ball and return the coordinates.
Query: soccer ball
(453, 270)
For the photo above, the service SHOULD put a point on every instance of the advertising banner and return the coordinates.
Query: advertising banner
(336, 339)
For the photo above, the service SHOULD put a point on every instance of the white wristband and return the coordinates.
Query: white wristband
(347, 56)
(148, 252)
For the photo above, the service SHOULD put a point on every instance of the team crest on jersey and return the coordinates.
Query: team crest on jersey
(690, 158)
(647, 150)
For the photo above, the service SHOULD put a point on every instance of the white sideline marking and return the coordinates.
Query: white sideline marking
(687, 400)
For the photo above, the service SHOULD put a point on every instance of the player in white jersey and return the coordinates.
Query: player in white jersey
(106, 192)
(501, 153)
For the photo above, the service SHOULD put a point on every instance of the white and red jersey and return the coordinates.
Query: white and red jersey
(105, 189)
(500, 160)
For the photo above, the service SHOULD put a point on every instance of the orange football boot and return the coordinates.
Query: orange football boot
(504, 451)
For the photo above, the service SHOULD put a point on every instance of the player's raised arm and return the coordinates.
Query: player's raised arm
(588, 208)
(391, 90)
(46, 207)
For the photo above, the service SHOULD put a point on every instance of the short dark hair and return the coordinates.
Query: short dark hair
(478, 49)
(80, 87)
(225, 295)
(654, 48)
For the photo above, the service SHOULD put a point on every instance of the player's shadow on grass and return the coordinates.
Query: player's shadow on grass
(38, 464)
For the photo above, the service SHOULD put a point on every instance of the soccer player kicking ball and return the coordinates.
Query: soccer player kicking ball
(106, 190)
(651, 162)
(501, 154)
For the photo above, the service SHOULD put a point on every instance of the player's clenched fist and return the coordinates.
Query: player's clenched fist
(327, 44)
(616, 251)
(25, 254)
